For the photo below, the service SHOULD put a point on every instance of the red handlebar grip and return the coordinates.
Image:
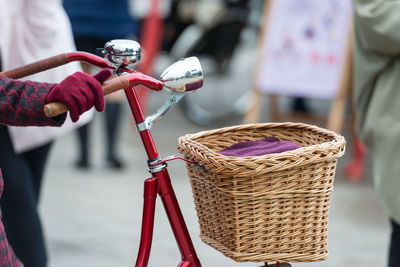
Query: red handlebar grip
(115, 84)
(36, 67)
(56, 61)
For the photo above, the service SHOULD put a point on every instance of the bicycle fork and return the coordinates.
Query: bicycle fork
(160, 184)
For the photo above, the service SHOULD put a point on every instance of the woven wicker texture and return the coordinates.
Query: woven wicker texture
(264, 208)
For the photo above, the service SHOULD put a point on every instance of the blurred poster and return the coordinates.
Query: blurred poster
(304, 47)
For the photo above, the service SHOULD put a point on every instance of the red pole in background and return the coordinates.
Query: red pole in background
(150, 42)
(354, 169)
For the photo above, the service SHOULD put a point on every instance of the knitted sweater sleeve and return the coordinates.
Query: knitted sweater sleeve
(7, 255)
(22, 102)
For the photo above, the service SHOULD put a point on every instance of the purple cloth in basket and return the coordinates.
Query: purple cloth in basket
(265, 146)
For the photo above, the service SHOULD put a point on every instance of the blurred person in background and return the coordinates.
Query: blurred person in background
(94, 23)
(30, 30)
(377, 102)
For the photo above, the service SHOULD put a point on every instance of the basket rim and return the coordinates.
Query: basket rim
(273, 162)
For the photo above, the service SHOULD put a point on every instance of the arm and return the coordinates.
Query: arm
(378, 24)
(21, 103)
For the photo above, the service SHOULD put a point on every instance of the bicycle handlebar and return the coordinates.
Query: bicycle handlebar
(182, 76)
(110, 86)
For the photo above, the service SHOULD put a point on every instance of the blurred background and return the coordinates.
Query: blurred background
(91, 216)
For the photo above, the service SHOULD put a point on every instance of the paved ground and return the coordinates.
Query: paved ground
(92, 218)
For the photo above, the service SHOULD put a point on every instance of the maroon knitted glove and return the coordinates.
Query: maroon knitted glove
(80, 92)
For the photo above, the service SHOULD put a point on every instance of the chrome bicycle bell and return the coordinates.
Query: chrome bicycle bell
(185, 75)
(121, 52)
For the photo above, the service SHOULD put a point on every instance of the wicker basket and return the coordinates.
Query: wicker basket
(264, 208)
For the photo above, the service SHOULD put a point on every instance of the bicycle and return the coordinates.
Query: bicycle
(182, 77)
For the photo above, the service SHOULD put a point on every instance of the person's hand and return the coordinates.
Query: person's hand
(80, 92)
